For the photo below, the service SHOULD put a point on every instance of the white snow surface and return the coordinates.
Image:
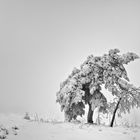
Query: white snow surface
(55, 130)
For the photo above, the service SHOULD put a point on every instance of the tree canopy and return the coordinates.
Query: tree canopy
(83, 85)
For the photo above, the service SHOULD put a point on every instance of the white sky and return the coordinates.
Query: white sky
(41, 41)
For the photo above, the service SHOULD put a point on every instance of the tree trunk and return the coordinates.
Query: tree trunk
(98, 121)
(90, 114)
(114, 113)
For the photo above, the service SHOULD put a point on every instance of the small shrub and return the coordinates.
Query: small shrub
(27, 117)
(15, 128)
(2, 137)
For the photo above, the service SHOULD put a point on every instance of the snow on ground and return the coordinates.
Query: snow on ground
(34, 130)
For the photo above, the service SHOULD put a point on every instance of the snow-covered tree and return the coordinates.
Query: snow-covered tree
(128, 97)
(116, 81)
(83, 86)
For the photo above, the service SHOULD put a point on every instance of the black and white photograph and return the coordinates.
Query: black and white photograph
(70, 69)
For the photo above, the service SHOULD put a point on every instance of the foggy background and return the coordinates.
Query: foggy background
(41, 41)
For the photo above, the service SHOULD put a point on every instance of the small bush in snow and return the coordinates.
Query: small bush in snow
(27, 117)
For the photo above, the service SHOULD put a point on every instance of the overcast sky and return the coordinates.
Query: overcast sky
(41, 41)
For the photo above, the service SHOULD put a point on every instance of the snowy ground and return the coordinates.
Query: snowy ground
(33, 130)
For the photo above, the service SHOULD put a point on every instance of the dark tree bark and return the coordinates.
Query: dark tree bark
(114, 113)
(90, 114)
